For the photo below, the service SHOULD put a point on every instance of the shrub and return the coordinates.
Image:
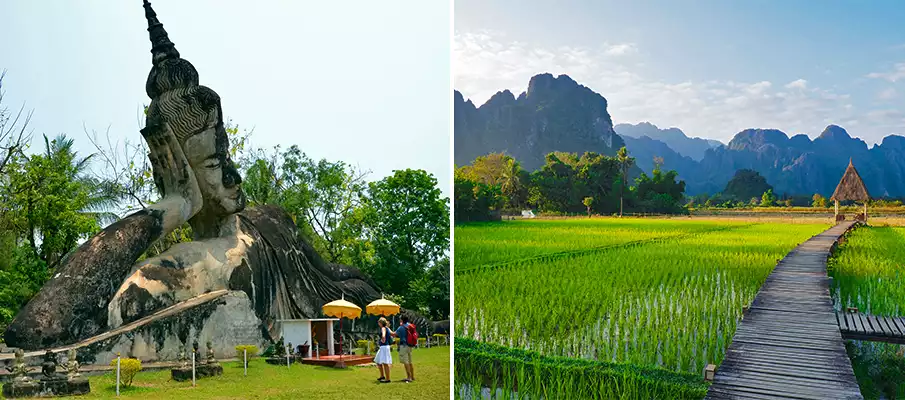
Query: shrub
(422, 342)
(128, 367)
(440, 338)
(252, 350)
(269, 351)
(366, 345)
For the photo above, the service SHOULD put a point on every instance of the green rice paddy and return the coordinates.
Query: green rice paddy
(868, 272)
(663, 294)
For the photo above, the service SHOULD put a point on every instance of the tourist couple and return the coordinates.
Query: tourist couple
(408, 339)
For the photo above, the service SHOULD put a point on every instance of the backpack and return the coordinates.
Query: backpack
(411, 335)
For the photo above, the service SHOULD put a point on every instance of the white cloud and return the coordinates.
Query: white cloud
(897, 73)
(887, 94)
(797, 84)
(620, 49)
(712, 109)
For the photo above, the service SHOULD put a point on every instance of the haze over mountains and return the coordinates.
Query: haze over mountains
(558, 114)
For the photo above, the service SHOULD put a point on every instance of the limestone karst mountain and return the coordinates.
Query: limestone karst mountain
(559, 114)
(554, 114)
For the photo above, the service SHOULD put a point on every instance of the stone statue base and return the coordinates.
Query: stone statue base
(13, 390)
(226, 321)
(47, 387)
(63, 386)
(279, 360)
(201, 371)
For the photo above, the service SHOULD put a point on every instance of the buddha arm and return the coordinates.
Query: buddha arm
(72, 305)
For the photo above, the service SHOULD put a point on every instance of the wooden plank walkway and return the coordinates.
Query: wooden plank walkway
(788, 345)
(874, 328)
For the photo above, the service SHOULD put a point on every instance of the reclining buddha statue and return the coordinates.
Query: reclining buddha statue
(101, 285)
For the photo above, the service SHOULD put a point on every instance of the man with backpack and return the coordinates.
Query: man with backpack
(408, 339)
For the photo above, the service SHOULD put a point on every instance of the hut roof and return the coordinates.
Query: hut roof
(850, 186)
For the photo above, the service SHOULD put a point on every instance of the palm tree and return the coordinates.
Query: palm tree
(625, 162)
(103, 194)
(510, 180)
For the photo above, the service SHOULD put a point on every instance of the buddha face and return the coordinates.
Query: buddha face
(208, 154)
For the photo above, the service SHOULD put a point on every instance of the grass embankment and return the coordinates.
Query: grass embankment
(868, 272)
(671, 303)
(266, 381)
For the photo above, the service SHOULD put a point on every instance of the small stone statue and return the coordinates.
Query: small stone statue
(279, 349)
(20, 369)
(72, 365)
(49, 367)
(210, 353)
(184, 357)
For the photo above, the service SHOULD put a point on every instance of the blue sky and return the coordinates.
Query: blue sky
(364, 82)
(712, 68)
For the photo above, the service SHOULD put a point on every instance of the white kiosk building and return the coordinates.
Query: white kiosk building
(302, 331)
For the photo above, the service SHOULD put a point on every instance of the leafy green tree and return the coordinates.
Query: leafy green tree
(588, 202)
(768, 198)
(54, 203)
(498, 169)
(566, 179)
(818, 201)
(475, 201)
(431, 291)
(323, 197)
(625, 162)
(408, 225)
(746, 184)
(662, 193)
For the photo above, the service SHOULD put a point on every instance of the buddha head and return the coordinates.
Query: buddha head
(194, 114)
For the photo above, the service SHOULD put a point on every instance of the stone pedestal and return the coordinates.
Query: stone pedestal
(201, 371)
(63, 386)
(13, 390)
(279, 360)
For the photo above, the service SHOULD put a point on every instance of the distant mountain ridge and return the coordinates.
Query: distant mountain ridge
(558, 114)
(672, 137)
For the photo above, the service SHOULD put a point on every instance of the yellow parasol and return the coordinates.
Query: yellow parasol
(382, 306)
(341, 308)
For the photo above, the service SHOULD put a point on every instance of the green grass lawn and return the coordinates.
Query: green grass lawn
(266, 381)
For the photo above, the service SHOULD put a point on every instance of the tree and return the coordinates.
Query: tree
(588, 202)
(408, 225)
(323, 197)
(625, 162)
(475, 201)
(818, 201)
(662, 193)
(54, 203)
(566, 179)
(431, 291)
(768, 198)
(498, 169)
(746, 184)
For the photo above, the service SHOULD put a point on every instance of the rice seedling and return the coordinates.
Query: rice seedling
(485, 244)
(868, 272)
(667, 304)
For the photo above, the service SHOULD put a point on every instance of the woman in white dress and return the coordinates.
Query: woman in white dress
(383, 358)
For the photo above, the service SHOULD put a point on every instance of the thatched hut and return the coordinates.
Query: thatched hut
(851, 188)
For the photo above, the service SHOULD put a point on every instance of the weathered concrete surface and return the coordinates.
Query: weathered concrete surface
(226, 321)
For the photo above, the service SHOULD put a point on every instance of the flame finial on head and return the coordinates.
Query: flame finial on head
(161, 46)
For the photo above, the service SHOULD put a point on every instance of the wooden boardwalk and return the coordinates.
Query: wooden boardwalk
(788, 344)
(874, 328)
